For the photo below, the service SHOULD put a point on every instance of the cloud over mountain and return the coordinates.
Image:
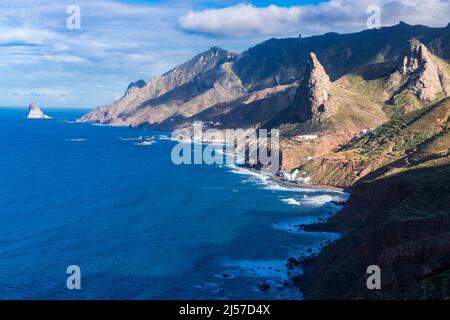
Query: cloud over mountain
(241, 20)
(336, 15)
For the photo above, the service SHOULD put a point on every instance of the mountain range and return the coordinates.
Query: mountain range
(368, 111)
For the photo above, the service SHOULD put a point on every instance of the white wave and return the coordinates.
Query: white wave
(164, 137)
(140, 138)
(273, 186)
(317, 200)
(309, 199)
(294, 226)
(76, 140)
(231, 157)
(313, 201)
(144, 143)
(253, 177)
(291, 201)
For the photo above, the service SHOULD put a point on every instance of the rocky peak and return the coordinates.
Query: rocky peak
(427, 76)
(217, 51)
(312, 96)
(403, 24)
(205, 61)
(137, 84)
(35, 112)
(201, 63)
(416, 58)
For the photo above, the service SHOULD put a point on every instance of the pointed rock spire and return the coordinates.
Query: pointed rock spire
(35, 112)
(311, 99)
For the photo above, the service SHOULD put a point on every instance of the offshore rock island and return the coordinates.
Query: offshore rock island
(35, 112)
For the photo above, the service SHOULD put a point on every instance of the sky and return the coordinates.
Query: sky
(43, 59)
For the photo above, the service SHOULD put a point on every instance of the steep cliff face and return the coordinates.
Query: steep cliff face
(399, 221)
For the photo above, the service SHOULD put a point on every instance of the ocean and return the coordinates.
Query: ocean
(137, 225)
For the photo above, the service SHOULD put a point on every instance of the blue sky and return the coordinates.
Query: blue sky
(124, 40)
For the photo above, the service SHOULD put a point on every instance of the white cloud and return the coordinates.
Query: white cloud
(246, 20)
(42, 92)
(118, 43)
(25, 36)
(241, 20)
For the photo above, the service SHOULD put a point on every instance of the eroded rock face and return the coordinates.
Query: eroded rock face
(35, 112)
(313, 94)
(427, 78)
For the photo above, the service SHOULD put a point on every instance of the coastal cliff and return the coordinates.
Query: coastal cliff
(398, 221)
(376, 120)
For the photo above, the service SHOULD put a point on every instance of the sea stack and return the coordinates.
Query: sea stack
(35, 112)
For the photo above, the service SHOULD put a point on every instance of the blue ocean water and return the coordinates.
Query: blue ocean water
(138, 226)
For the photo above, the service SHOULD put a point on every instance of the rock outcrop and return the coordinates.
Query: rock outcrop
(323, 116)
(311, 100)
(136, 85)
(35, 112)
(427, 77)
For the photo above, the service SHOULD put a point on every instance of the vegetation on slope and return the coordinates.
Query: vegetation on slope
(397, 141)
